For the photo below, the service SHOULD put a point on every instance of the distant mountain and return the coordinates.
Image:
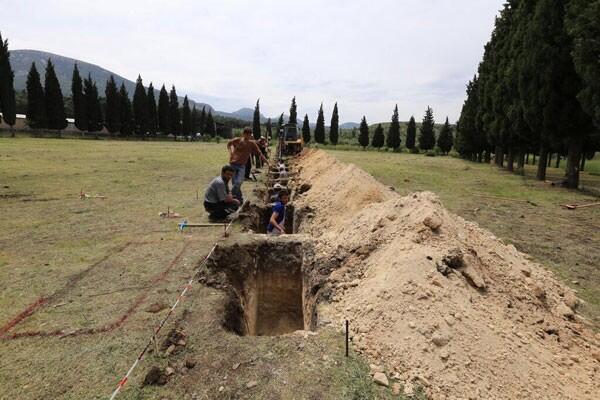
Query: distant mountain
(349, 125)
(244, 114)
(21, 60)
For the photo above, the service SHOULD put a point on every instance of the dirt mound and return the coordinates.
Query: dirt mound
(438, 301)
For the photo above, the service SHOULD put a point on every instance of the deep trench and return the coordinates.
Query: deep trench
(268, 288)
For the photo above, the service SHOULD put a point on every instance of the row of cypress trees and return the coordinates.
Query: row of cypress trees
(427, 138)
(537, 89)
(8, 105)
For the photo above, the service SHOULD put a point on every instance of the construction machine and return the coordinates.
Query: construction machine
(290, 140)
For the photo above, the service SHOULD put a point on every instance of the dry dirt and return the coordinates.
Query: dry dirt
(436, 301)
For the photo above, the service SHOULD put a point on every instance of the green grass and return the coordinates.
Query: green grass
(49, 237)
(565, 241)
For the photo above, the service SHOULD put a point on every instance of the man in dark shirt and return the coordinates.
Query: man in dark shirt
(240, 150)
(218, 201)
(277, 222)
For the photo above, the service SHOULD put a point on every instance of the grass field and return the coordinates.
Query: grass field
(566, 241)
(90, 271)
(84, 274)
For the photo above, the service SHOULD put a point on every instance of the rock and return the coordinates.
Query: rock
(155, 377)
(169, 371)
(433, 222)
(376, 368)
(396, 389)
(251, 384)
(526, 271)
(539, 293)
(380, 379)
(235, 366)
(450, 320)
(189, 363)
(409, 389)
(564, 311)
(444, 354)
(596, 355)
(440, 339)
(170, 350)
(571, 300)
(354, 283)
(156, 307)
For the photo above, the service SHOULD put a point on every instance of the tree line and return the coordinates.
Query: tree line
(427, 139)
(537, 88)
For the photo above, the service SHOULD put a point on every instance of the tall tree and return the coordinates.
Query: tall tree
(445, 139)
(163, 111)
(393, 138)
(378, 138)
(195, 121)
(269, 129)
(78, 102)
(126, 112)
(256, 121)
(186, 118)
(8, 104)
(427, 133)
(203, 120)
(334, 128)
(92, 106)
(36, 105)
(113, 106)
(411, 133)
(363, 136)
(140, 108)
(320, 127)
(55, 105)
(211, 129)
(293, 112)
(152, 116)
(306, 130)
(468, 137)
(280, 123)
(174, 115)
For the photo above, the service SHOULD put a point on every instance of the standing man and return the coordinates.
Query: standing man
(218, 202)
(240, 150)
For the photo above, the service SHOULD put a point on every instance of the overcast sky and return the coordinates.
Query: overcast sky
(366, 55)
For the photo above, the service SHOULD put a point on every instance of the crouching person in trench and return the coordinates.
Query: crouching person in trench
(277, 222)
(219, 203)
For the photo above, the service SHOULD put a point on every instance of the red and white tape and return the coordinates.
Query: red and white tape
(188, 286)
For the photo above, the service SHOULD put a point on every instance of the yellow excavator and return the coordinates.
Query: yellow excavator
(290, 140)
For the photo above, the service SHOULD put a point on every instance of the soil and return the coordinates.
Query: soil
(437, 301)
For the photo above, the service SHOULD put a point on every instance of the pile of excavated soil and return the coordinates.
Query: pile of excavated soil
(437, 301)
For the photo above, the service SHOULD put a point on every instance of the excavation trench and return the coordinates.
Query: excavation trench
(268, 290)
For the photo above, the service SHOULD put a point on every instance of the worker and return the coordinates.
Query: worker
(277, 222)
(219, 203)
(240, 150)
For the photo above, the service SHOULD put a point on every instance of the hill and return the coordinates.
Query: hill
(21, 60)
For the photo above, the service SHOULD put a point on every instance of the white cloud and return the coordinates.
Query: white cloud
(367, 55)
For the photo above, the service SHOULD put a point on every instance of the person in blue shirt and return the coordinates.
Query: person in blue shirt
(277, 221)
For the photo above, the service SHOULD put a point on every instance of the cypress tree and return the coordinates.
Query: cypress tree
(256, 121)
(467, 137)
(211, 129)
(393, 138)
(36, 105)
(320, 127)
(378, 138)
(55, 105)
(363, 136)
(195, 121)
(151, 116)
(445, 139)
(186, 118)
(78, 102)
(306, 130)
(126, 112)
(280, 123)
(8, 104)
(334, 128)
(411, 133)
(269, 129)
(203, 120)
(293, 112)
(174, 115)
(163, 111)
(113, 104)
(92, 105)
(140, 109)
(427, 133)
